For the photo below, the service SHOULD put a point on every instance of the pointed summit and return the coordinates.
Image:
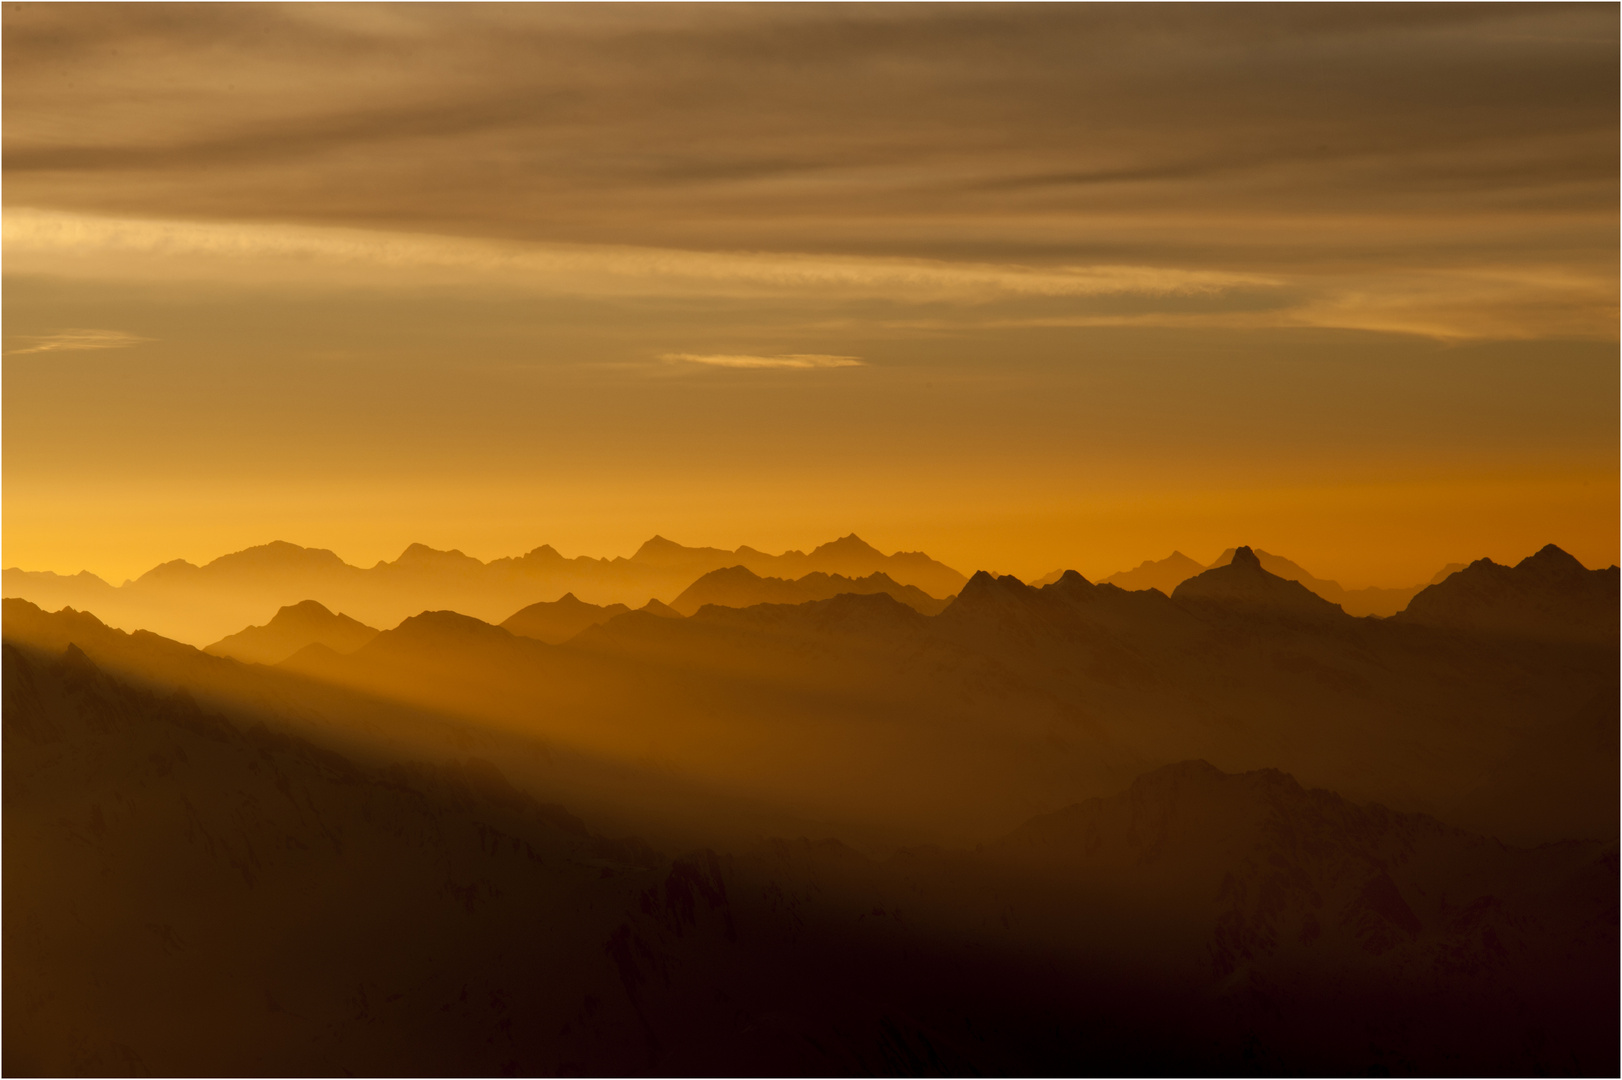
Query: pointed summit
(1551, 563)
(657, 545)
(848, 546)
(657, 607)
(1548, 595)
(1244, 585)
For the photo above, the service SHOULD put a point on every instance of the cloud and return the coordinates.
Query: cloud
(70, 340)
(41, 241)
(800, 361)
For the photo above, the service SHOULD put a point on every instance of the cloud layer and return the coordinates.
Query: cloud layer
(1448, 170)
(71, 340)
(796, 361)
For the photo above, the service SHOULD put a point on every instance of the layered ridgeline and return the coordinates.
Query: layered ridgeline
(202, 603)
(409, 864)
(1013, 699)
(294, 627)
(561, 619)
(738, 587)
(1168, 573)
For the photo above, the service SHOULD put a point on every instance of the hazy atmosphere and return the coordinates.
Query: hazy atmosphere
(1024, 287)
(810, 540)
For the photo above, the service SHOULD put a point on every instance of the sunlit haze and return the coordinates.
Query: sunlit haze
(810, 540)
(1025, 288)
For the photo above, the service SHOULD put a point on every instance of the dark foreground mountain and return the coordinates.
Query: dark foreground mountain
(739, 587)
(293, 628)
(201, 603)
(185, 895)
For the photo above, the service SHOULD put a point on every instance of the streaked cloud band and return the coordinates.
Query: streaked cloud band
(73, 340)
(800, 361)
(52, 241)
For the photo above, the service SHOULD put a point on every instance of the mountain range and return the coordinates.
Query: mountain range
(1168, 573)
(202, 603)
(216, 867)
(861, 708)
(739, 587)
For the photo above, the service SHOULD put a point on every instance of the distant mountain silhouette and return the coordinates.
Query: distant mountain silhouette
(1243, 584)
(664, 611)
(1168, 573)
(291, 629)
(1546, 595)
(1026, 697)
(738, 587)
(560, 620)
(1372, 600)
(202, 603)
(1164, 574)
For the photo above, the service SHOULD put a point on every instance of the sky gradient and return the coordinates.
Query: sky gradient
(1024, 287)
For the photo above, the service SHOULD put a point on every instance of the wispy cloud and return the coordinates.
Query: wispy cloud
(72, 244)
(785, 360)
(70, 340)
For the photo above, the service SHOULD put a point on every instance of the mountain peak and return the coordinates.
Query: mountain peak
(850, 544)
(276, 555)
(1547, 595)
(1550, 559)
(556, 621)
(291, 629)
(423, 556)
(1244, 583)
(304, 609)
(657, 543)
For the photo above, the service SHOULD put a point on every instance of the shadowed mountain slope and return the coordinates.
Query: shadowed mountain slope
(187, 896)
(1242, 584)
(202, 603)
(293, 628)
(738, 587)
(184, 897)
(560, 620)
(1546, 595)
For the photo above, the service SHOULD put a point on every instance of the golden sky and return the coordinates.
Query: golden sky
(1022, 286)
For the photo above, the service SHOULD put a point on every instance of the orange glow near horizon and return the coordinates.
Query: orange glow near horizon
(343, 288)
